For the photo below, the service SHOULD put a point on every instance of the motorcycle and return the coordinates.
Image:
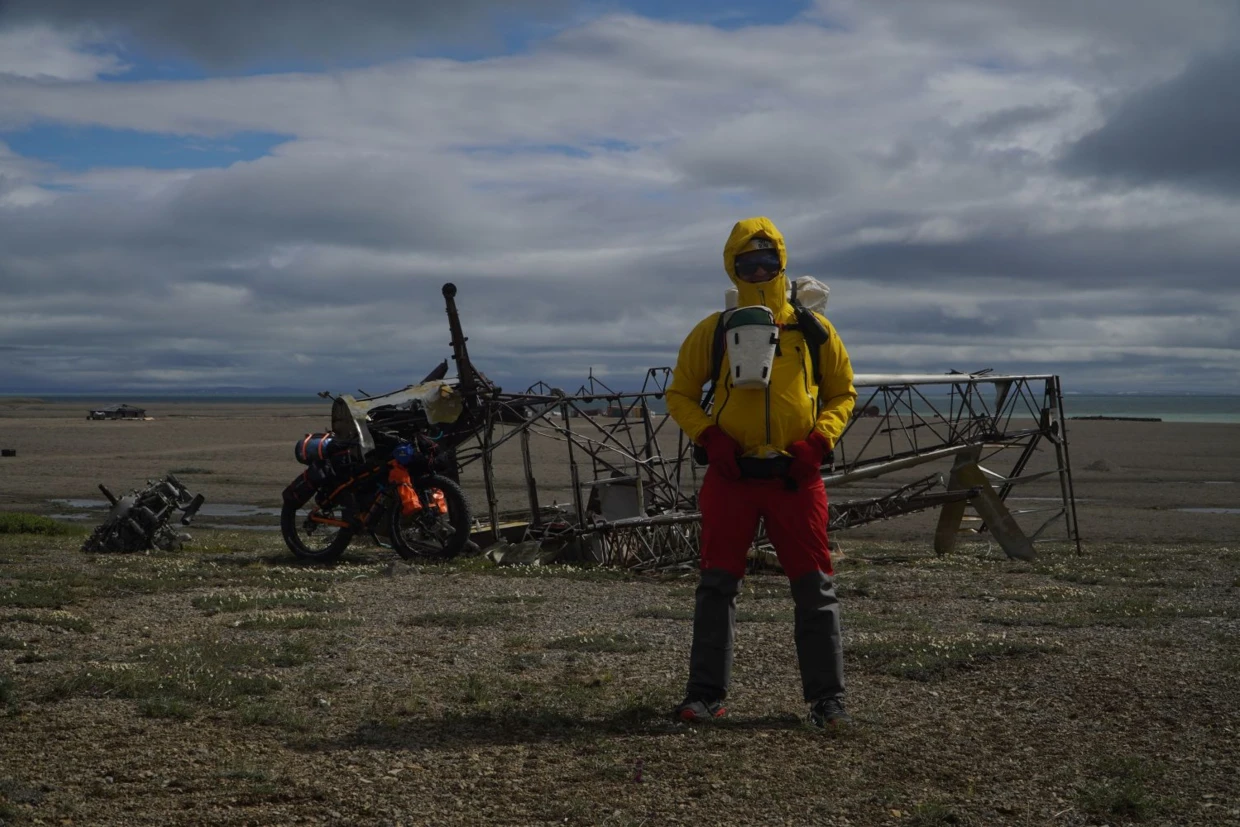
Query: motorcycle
(394, 491)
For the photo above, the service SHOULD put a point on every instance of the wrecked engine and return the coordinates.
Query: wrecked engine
(139, 521)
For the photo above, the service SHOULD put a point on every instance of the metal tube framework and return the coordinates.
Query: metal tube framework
(920, 420)
(634, 482)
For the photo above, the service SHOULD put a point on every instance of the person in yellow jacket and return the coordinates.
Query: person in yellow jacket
(766, 447)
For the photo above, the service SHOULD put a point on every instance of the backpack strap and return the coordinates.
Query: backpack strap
(813, 330)
(717, 346)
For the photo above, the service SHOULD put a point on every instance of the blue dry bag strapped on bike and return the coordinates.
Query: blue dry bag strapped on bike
(318, 447)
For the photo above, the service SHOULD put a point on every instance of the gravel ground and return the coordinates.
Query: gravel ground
(225, 686)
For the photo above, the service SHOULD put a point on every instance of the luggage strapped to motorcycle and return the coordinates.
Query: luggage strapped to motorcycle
(811, 327)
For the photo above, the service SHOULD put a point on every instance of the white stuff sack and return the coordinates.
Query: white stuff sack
(812, 294)
(752, 335)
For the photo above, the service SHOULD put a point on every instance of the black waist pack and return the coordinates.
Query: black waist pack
(753, 468)
(757, 468)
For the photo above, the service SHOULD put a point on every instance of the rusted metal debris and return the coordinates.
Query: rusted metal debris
(139, 521)
(633, 482)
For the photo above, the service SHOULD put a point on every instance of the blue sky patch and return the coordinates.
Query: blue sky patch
(721, 15)
(509, 33)
(586, 150)
(81, 148)
(615, 145)
(514, 34)
(506, 150)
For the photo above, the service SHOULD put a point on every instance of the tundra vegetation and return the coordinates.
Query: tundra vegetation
(227, 684)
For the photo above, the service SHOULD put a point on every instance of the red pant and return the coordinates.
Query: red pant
(796, 523)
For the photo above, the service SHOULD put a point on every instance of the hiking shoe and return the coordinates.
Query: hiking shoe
(695, 710)
(827, 712)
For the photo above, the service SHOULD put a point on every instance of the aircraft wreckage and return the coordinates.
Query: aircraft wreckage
(628, 481)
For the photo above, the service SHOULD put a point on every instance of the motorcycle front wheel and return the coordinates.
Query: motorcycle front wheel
(431, 534)
(309, 540)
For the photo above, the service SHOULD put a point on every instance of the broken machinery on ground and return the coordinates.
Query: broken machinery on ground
(139, 521)
(632, 484)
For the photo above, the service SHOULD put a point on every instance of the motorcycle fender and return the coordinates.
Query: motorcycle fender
(300, 490)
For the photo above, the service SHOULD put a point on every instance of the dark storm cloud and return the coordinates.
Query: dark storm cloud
(1007, 120)
(1078, 258)
(1022, 29)
(1160, 318)
(927, 323)
(240, 32)
(1184, 131)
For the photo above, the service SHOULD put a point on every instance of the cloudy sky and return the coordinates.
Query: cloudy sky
(253, 196)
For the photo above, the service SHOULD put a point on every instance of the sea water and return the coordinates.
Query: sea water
(1187, 408)
(1168, 408)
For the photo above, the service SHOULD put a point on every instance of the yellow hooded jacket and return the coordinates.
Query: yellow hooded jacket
(764, 421)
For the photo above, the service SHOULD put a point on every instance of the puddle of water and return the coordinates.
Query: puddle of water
(234, 527)
(82, 503)
(209, 509)
(1211, 510)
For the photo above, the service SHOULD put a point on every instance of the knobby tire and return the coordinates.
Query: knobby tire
(289, 525)
(427, 521)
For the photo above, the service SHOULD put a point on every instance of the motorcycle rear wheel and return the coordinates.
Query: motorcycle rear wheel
(309, 540)
(430, 534)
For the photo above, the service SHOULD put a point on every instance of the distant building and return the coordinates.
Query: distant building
(117, 412)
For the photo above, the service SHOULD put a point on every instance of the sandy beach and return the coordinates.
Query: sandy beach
(1133, 480)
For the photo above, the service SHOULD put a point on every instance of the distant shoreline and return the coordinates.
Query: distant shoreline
(1119, 418)
(1189, 409)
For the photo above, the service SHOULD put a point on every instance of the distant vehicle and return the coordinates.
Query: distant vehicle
(117, 412)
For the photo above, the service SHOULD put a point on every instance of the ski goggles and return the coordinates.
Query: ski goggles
(747, 264)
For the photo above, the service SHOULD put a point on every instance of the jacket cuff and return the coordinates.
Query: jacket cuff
(819, 439)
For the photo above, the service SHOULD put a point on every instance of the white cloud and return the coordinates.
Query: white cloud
(42, 53)
(580, 195)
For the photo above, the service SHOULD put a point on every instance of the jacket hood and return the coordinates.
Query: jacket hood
(772, 293)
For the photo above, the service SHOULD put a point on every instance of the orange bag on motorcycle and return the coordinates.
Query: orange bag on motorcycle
(440, 501)
(409, 502)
